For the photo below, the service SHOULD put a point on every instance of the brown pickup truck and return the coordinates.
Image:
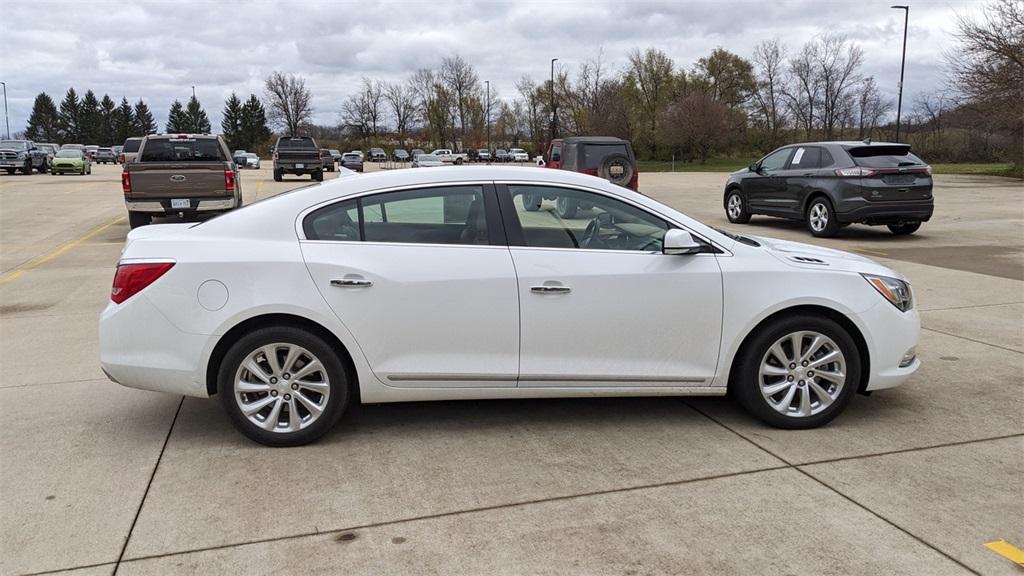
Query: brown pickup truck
(298, 155)
(180, 174)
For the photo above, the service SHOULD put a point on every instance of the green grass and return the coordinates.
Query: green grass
(1008, 170)
(712, 165)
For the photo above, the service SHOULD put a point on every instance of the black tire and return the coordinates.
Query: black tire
(27, 169)
(745, 386)
(531, 202)
(458, 161)
(566, 207)
(821, 218)
(905, 228)
(43, 168)
(277, 175)
(10, 170)
(337, 399)
(318, 176)
(740, 216)
(136, 219)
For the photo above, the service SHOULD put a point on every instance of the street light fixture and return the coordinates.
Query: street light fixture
(554, 110)
(903, 63)
(488, 121)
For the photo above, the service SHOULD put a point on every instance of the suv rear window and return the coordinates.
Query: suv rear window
(594, 154)
(182, 150)
(132, 145)
(884, 156)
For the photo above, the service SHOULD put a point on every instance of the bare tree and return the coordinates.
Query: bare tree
(768, 87)
(837, 66)
(401, 99)
(650, 82)
(462, 83)
(290, 103)
(871, 107)
(803, 88)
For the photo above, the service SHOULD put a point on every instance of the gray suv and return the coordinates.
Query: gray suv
(830, 185)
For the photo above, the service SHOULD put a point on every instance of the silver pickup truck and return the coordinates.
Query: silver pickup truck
(180, 174)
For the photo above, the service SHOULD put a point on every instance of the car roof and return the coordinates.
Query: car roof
(594, 139)
(175, 136)
(846, 143)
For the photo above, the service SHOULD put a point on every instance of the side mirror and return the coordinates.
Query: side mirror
(754, 167)
(680, 242)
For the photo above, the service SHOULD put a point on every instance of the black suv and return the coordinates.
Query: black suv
(830, 185)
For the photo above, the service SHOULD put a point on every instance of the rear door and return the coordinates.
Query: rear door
(800, 175)
(180, 168)
(424, 280)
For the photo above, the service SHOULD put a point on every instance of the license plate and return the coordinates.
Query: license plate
(181, 203)
(616, 170)
(300, 165)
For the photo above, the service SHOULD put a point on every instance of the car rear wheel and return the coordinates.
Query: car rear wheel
(282, 386)
(136, 219)
(736, 208)
(798, 372)
(905, 228)
(821, 220)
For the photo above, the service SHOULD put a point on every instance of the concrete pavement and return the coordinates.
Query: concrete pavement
(914, 480)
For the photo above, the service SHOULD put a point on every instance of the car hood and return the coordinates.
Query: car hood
(13, 150)
(67, 160)
(810, 256)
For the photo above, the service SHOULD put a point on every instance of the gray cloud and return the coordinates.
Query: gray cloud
(158, 50)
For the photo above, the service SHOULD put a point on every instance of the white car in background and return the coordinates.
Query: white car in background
(518, 155)
(411, 285)
(252, 160)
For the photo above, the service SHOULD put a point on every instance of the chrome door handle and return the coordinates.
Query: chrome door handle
(550, 289)
(351, 282)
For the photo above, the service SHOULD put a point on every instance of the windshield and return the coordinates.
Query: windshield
(19, 144)
(182, 150)
(350, 156)
(251, 155)
(69, 154)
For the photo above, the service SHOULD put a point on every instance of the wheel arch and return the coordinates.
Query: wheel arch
(732, 187)
(810, 309)
(810, 198)
(279, 319)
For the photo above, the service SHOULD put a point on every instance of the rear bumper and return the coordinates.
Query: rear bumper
(893, 212)
(163, 206)
(307, 167)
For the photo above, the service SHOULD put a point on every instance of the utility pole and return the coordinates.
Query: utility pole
(903, 63)
(7, 121)
(193, 92)
(554, 109)
(488, 121)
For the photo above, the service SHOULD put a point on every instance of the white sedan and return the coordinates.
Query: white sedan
(440, 284)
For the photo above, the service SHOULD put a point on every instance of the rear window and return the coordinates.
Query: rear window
(182, 150)
(132, 145)
(594, 154)
(296, 143)
(884, 157)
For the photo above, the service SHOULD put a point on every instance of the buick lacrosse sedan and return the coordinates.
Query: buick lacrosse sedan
(442, 284)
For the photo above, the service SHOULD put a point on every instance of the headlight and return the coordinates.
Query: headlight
(895, 291)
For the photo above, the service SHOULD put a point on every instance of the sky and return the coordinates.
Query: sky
(158, 50)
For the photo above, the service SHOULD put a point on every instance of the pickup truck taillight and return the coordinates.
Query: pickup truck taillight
(121, 158)
(126, 182)
(229, 180)
(130, 279)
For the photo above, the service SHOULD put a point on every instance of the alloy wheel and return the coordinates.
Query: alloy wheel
(735, 207)
(802, 374)
(281, 387)
(819, 217)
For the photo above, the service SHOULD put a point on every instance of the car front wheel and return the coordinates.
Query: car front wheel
(282, 386)
(821, 220)
(797, 372)
(905, 228)
(736, 209)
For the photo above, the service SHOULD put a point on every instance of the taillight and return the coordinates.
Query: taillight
(858, 171)
(229, 180)
(592, 171)
(126, 182)
(121, 158)
(130, 279)
(928, 170)
(634, 182)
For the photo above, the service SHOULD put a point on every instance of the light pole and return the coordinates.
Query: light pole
(554, 113)
(7, 122)
(488, 120)
(903, 62)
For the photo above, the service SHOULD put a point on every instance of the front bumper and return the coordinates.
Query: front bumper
(163, 206)
(890, 335)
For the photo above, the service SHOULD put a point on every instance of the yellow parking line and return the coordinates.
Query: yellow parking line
(56, 252)
(1007, 550)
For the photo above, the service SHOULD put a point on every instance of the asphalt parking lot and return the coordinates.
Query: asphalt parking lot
(97, 479)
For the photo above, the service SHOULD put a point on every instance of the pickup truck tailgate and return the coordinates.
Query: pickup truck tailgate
(178, 180)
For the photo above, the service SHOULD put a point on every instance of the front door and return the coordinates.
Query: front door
(424, 281)
(600, 304)
(765, 188)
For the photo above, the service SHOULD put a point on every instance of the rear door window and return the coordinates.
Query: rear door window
(806, 158)
(884, 156)
(182, 150)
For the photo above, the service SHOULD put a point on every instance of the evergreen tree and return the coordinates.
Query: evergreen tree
(231, 123)
(176, 122)
(68, 118)
(90, 119)
(108, 121)
(195, 118)
(144, 123)
(124, 122)
(44, 123)
(254, 124)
